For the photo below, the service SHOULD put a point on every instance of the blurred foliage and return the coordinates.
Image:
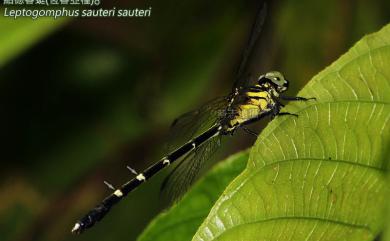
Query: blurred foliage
(98, 94)
(17, 36)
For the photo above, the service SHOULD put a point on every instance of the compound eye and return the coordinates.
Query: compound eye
(278, 81)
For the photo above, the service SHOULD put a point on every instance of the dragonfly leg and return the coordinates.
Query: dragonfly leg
(295, 98)
(286, 113)
(249, 131)
(276, 111)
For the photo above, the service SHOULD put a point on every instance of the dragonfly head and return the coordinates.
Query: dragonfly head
(274, 78)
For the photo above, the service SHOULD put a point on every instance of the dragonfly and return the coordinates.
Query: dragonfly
(249, 101)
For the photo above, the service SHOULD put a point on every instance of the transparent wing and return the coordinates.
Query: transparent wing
(192, 123)
(186, 126)
(186, 172)
(241, 77)
(183, 129)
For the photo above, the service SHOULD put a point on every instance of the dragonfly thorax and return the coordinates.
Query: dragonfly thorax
(249, 105)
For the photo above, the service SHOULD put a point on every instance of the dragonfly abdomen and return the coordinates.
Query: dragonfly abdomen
(102, 209)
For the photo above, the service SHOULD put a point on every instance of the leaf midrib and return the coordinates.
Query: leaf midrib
(374, 168)
(255, 172)
(324, 220)
(323, 103)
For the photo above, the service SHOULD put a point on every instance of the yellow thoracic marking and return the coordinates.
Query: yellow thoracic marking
(262, 94)
(256, 104)
(259, 103)
(259, 99)
(248, 112)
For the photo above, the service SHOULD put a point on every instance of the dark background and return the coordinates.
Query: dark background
(99, 94)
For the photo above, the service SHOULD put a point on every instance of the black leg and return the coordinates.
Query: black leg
(270, 113)
(276, 112)
(297, 98)
(249, 131)
(286, 113)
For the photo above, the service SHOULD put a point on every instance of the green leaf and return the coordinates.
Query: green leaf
(320, 176)
(18, 35)
(181, 221)
(385, 235)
